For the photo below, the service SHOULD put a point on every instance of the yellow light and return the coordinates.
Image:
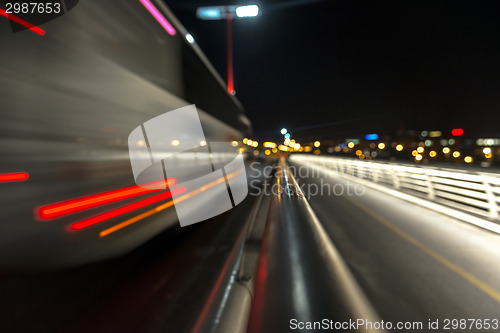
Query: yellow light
(297, 146)
(287, 141)
(361, 157)
(301, 149)
(317, 152)
(489, 155)
(420, 150)
(255, 144)
(359, 152)
(456, 154)
(275, 150)
(269, 145)
(399, 147)
(432, 153)
(255, 153)
(267, 152)
(372, 145)
(345, 149)
(203, 143)
(381, 145)
(414, 153)
(446, 150)
(234, 143)
(242, 150)
(175, 143)
(351, 144)
(418, 157)
(283, 148)
(245, 140)
(249, 142)
(307, 149)
(317, 144)
(487, 150)
(468, 159)
(435, 134)
(337, 149)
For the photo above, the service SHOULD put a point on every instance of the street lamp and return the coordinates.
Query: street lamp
(228, 13)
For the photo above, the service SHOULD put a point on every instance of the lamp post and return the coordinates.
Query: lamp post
(228, 13)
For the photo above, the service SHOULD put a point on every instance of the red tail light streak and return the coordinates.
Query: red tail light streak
(63, 208)
(164, 206)
(22, 22)
(13, 177)
(125, 209)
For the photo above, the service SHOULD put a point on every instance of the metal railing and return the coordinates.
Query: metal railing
(467, 190)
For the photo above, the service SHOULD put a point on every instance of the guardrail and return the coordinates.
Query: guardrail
(301, 277)
(470, 191)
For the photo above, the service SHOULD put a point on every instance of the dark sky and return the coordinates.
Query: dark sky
(353, 65)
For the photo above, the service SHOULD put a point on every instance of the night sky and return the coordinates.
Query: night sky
(350, 66)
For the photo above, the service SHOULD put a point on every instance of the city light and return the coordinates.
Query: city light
(432, 153)
(399, 147)
(287, 135)
(371, 137)
(267, 152)
(457, 131)
(317, 144)
(446, 150)
(245, 140)
(381, 145)
(255, 144)
(283, 148)
(297, 146)
(414, 153)
(284, 131)
(487, 150)
(435, 134)
(418, 157)
(351, 145)
(234, 143)
(175, 143)
(247, 11)
(420, 150)
(456, 154)
(359, 152)
(269, 145)
(468, 159)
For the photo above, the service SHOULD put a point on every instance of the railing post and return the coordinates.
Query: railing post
(395, 178)
(374, 170)
(431, 194)
(492, 200)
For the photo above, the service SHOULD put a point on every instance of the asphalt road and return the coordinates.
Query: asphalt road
(414, 265)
